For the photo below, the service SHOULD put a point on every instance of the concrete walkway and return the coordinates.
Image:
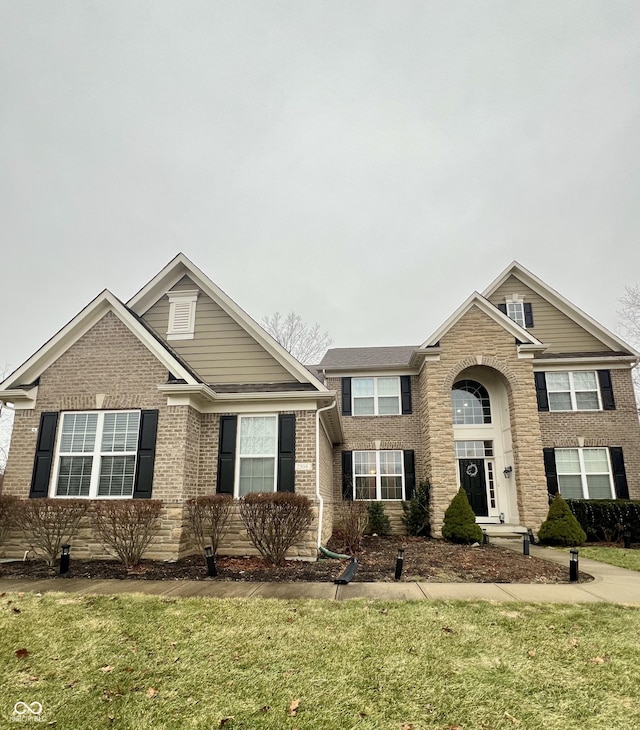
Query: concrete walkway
(610, 585)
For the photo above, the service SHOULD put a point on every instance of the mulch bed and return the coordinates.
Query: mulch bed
(426, 560)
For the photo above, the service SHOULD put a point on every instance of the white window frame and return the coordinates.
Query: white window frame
(583, 471)
(375, 396)
(274, 455)
(572, 391)
(178, 328)
(517, 317)
(378, 475)
(96, 455)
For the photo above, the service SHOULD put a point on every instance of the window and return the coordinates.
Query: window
(573, 391)
(470, 403)
(584, 473)
(258, 443)
(378, 474)
(515, 311)
(376, 396)
(96, 454)
(518, 310)
(473, 449)
(182, 315)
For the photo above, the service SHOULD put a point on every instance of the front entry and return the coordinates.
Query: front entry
(473, 481)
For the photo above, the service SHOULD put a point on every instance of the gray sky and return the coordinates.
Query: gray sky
(367, 164)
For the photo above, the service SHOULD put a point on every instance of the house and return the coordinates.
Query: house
(179, 393)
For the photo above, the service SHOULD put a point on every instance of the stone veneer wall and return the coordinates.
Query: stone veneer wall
(619, 427)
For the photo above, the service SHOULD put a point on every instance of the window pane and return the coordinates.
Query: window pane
(256, 475)
(365, 487)
(595, 460)
(599, 486)
(364, 462)
(515, 311)
(116, 476)
(363, 407)
(472, 449)
(390, 462)
(585, 381)
(559, 401)
(558, 381)
(362, 386)
(388, 386)
(587, 401)
(258, 435)
(388, 406)
(567, 461)
(78, 432)
(570, 487)
(391, 487)
(74, 476)
(120, 431)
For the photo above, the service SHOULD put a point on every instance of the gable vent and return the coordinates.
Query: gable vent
(182, 315)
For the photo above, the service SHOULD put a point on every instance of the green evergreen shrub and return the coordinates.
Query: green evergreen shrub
(561, 527)
(416, 511)
(604, 520)
(378, 521)
(460, 522)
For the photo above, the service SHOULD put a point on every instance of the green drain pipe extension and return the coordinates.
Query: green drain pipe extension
(334, 556)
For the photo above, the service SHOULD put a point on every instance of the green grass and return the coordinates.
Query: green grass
(356, 664)
(629, 559)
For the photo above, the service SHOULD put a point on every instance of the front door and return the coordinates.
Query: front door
(472, 479)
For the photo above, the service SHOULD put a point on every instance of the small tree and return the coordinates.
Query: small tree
(275, 522)
(416, 511)
(307, 344)
(561, 527)
(460, 522)
(351, 520)
(208, 519)
(378, 521)
(127, 527)
(8, 514)
(49, 523)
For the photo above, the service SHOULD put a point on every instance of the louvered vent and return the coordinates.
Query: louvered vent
(182, 315)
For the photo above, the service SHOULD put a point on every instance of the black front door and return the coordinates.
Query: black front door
(474, 484)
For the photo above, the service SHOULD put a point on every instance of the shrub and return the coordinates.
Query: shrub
(126, 527)
(275, 522)
(8, 515)
(378, 521)
(415, 515)
(606, 519)
(208, 519)
(460, 522)
(49, 523)
(351, 520)
(561, 527)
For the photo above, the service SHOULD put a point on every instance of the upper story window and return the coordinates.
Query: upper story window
(573, 391)
(375, 396)
(515, 311)
(470, 403)
(257, 449)
(182, 315)
(96, 455)
(518, 310)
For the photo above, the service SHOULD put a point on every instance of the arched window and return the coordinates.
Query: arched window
(470, 402)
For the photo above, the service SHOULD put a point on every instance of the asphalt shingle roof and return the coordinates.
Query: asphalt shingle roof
(354, 357)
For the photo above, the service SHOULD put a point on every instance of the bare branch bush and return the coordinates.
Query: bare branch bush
(351, 520)
(49, 523)
(306, 343)
(127, 527)
(629, 321)
(208, 519)
(275, 522)
(9, 507)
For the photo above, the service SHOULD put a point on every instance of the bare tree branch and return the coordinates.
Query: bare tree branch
(306, 343)
(629, 321)
(6, 425)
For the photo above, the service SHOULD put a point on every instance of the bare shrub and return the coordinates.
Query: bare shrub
(275, 522)
(8, 515)
(49, 523)
(351, 520)
(208, 519)
(127, 527)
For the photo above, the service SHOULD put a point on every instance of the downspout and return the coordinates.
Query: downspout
(318, 495)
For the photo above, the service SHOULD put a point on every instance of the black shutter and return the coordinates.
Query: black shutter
(528, 315)
(146, 455)
(44, 455)
(405, 392)
(541, 391)
(347, 475)
(346, 396)
(550, 470)
(502, 308)
(619, 473)
(227, 454)
(286, 452)
(409, 473)
(606, 390)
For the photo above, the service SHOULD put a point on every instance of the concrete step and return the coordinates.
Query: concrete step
(498, 530)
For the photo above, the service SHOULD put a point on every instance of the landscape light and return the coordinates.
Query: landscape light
(212, 571)
(65, 559)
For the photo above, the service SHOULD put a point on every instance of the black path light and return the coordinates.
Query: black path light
(399, 563)
(212, 571)
(627, 537)
(525, 543)
(573, 565)
(485, 537)
(65, 559)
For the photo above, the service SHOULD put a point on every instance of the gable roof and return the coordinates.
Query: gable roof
(105, 302)
(366, 357)
(600, 332)
(180, 266)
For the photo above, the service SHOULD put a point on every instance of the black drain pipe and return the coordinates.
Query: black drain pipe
(348, 573)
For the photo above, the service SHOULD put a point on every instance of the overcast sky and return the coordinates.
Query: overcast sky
(366, 164)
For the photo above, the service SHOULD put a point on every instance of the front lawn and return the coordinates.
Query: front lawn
(142, 662)
(629, 559)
